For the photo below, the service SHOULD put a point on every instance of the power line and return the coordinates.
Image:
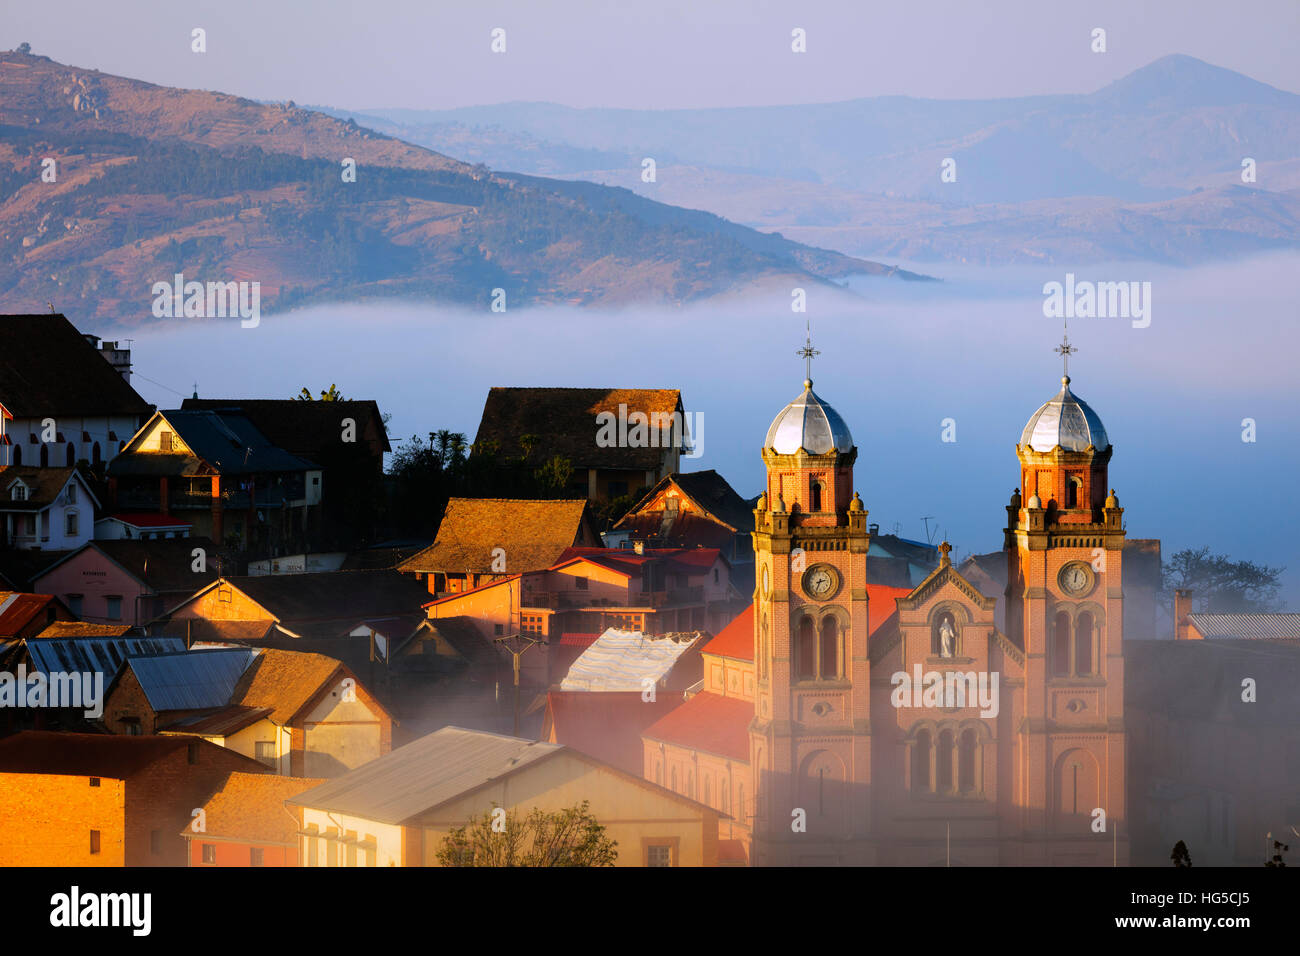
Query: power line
(161, 385)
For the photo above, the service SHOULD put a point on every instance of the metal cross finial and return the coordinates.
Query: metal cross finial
(808, 352)
(1065, 349)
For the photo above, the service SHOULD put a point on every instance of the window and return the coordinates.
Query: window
(673, 785)
(1061, 646)
(530, 623)
(830, 649)
(500, 629)
(255, 857)
(70, 524)
(1083, 644)
(1073, 489)
(113, 604)
(705, 795)
(921, 762)
(209, 853)
(74, 603)
(715, 575)
(155, 842)
(265, 750)
(223, 595)
(807, 650)
(94, 842)
(131, 725)
(943, 762)
(581, 583)
(19, 493)
(966, 762)
(659, 854)
(192, 752)
(816, 496)
(164, 441)
(72, 493)
(94, 781)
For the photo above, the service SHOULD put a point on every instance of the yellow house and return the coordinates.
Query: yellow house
(397, 810)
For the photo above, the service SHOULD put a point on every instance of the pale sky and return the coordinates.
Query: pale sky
(656, 54)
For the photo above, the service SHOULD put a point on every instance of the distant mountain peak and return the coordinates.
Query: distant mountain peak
(1179, 82)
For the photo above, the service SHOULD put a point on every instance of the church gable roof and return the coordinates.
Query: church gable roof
(945, 574)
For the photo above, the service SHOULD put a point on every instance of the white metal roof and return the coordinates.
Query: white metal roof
(627, 660)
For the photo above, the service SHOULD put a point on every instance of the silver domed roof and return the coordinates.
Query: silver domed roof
(808, 423)
(1065, 420)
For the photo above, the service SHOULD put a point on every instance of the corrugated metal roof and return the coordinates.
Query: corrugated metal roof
(1249, 627)
(625, 660)
(90, 654)
(425, 774)
(192, 681)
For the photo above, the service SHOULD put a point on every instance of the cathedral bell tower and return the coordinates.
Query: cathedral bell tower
(810, 745)
(1065, 607)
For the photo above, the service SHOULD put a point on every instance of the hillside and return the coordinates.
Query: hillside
(152, 181)
(1144, 167)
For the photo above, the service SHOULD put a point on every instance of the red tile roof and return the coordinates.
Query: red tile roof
(882, 598)
(250, 807)
(606, 725)
(710, 723)
(17, 609)
(732, 851)
(736, 640)
(578, 640)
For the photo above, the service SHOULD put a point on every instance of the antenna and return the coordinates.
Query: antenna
(929, 535)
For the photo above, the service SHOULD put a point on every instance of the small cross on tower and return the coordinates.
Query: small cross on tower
(944, 548)
(1065, 350)
(808, 352)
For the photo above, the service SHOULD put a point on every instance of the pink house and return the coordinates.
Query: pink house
(129, 581)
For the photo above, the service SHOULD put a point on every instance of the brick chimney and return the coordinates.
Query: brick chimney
(1183, 630)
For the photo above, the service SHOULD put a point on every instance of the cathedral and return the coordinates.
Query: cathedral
(919, 733)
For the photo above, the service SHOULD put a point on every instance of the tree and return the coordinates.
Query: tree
(1221, 585)
(24, 48)
(568, 837)
(333, 395)
(1182, 859)
(1278, 849)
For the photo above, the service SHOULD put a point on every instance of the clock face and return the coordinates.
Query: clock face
(1075, 578)
(820, 582)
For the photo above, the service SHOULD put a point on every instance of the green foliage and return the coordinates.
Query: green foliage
(568, 837)
(1221, 585)
(332, 395)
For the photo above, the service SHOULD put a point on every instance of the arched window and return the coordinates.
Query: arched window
(830, 648)
(921, 762)
(96, 456)
(673, 778)
(725, 793)
(762, 656)
(740, 803)
(705, 801)
(659, 772)
(1073, 486)
(1061, 646)
(690, 784)
(807, 650)
(966, 762)
(943, 762)
(1083, 644)
(72, 454)
(816, 496)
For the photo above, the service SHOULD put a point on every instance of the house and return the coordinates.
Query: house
(299, 714)
(218, 472)
(96, 800)
(689, 510)
(589, 590)
(128, 580)
(606, 725)
(71, 648)
(141, 526)
(397, 810)
(47, 509)
(617, 440)
(323, 613)
(25, 615)
(481, 540)
(64, 397)
(346, 439)
(245, 823)
(1247, 626)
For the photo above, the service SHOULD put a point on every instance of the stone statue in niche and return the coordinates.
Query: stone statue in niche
(947, 637)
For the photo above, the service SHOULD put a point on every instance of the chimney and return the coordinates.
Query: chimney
(1183, 630)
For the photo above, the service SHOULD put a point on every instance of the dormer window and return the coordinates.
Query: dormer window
(18, 492)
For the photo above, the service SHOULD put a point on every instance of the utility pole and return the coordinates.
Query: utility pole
(517, 645)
